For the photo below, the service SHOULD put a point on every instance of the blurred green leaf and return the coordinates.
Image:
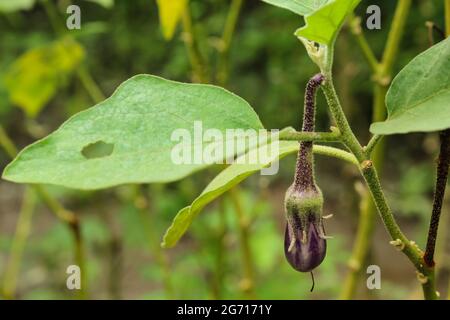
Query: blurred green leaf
(139, 119)
(323, 25)
(95, 231)
(301, 7)
(108, 4)
(170, 13)
(418, 99)
(266, 244)
(35, 76)
(15, 5)
(134, 230)
(411, 195)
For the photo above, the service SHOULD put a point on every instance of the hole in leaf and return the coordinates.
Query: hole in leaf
(99, 149)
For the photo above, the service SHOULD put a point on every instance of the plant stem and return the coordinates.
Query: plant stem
(18, 245)
(304, 168)
(220, 253)
(247, 283)
(395, 34)
(90, 85)
(370, 175)
(335, 153)
(360, 248)
(222, 75)
(227, 36)
(382, 74)
(373, 141)
(366, 222)
(144, 207)
(53, 16)
(310, 136)
(200, 75)
(199, 69)
(355, 27)
(447, 17)
(7, 144)
(82, 72)
(347, 135)
(431, 26)
(66, 216)
(441, 182)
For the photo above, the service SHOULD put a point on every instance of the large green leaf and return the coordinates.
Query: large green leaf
(35, 76)
(300, 7)
(15, 5)
(128, 137)
(419, 96)
(227, 179)
(323, 25)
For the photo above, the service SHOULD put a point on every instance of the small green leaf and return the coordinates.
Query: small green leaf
(35, 76)
(137, 125)
(323, 25)
(15, 5)
(300, 7)
(230, 177)
(170, 13)
(419, 97)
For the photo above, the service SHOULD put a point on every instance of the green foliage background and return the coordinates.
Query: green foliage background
(123, 226)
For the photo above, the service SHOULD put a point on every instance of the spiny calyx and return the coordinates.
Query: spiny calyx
(305, 240)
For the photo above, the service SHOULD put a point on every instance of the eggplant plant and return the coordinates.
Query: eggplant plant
(132, 136)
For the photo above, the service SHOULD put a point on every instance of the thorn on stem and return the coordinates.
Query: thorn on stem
(421, 277)
(398, 244)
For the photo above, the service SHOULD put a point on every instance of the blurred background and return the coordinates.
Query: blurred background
(234, 248)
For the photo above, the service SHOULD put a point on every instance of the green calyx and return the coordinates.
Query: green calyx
(303, 207)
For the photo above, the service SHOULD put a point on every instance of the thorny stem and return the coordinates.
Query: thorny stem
(18, 245)
(348, 138)
(227, 36)
(441, 182)
(66, 216)
(368, 210)
(441, 177)
(370, 175)
(374, 150)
